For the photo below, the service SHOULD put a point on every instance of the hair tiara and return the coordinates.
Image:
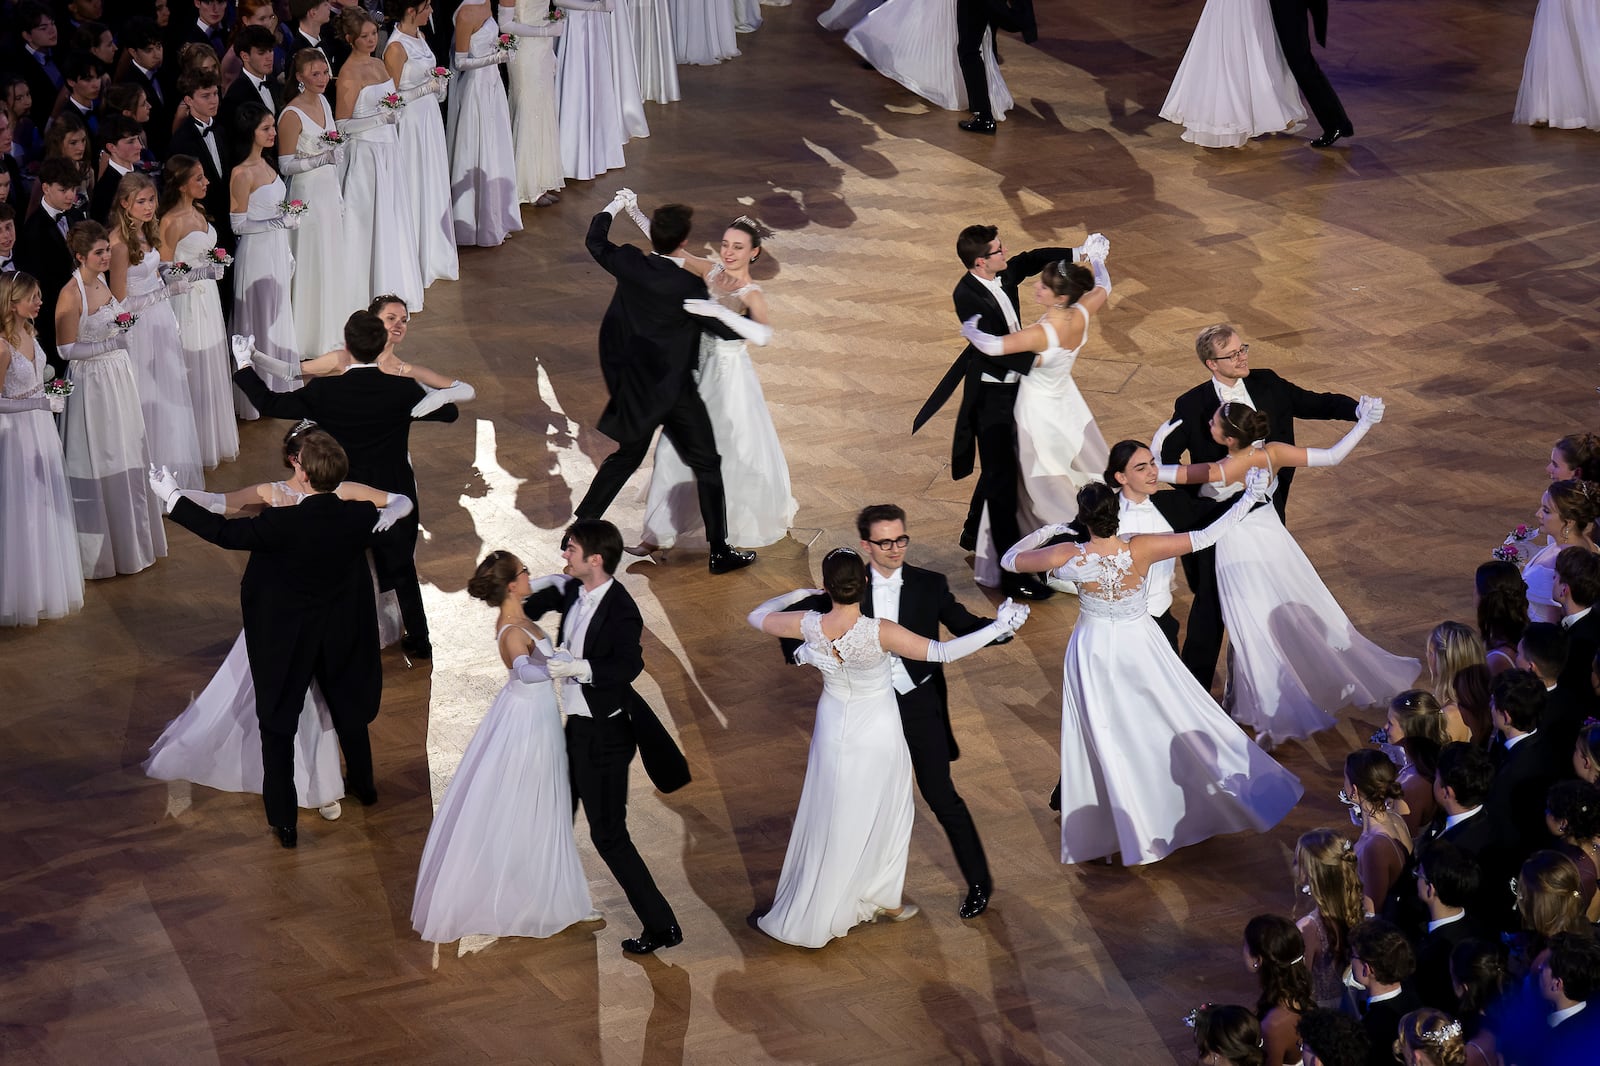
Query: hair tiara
(1444, 1034)
(763, 233)
(301, 426)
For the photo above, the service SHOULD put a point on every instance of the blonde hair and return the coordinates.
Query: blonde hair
(131, 185)
(1435, 1036)
(1327, 865)
(1550, 894)
(1452, 647)
(16, 286)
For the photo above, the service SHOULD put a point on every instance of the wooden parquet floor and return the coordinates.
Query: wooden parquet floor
(1445, 260)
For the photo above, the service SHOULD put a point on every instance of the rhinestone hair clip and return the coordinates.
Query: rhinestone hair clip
(1444, 1034)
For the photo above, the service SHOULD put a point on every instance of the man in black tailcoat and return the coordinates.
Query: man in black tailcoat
(974, 20)
(41, 248)
(1289, 19)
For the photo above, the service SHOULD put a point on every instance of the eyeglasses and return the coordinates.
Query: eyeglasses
(524, 570)
(1002, 251)
(1228, 357)
(890, 545)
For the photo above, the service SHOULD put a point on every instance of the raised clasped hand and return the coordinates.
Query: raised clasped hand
(243, 349)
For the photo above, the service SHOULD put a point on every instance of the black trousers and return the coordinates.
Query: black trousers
(1203, 644)
(923, 721)
(1289, 18)
(278, 794)
(996, 433)
(394, 556)
(1169, 627)
(688, 427)
(972, 23)
(598, 753)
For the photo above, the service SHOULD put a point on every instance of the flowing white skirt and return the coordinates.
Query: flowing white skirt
(205, 352)
(483, 166)
(746, 16)
(171, 434)
(755, 474)
(702, 31)
(324, 290)
(914, 43)
(625, 71)
(1060, 449)
(658, 57)
(1149, 763)
(590, 120)
(500, 858)
(1296, 657)
(41, 575)
(1234, 83)
(263, 270)
(534, 124)
(427, 160)
(216, 741)
(1561, 75)
(846, 13)
(380, 233)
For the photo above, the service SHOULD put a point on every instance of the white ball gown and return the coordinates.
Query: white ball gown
(1561, 74)
(746, 16)
(1295, 654)
(263, 269)
(205, 352)
(534, 123)
(590, 118)
(702, 31)
(483, 167)
(1234, 83)
(625, 71)
(41, 575)
(425, 157)
(156, 349)
(323, 292)
(852, 832)
(657, 54)
(500, 858)
(117, 517)
(846, 13)
(914, 43)
(380, 235)
(1149, 763)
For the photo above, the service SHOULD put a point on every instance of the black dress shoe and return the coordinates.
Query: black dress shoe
(367, 796)
(1335, 134)
(1055, 798)
(287, 835)
(979, 124)
(646, 942)
(968, 541)
(977, 901)
(725, 560)
(416, 649)
(1026, 588)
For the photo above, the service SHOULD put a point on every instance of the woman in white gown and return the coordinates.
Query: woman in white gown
(263, 265)
(1234, 83)
(755, 473)
(846, 13)
(483, 166)
(625, 70)
(657, 54)
(590, 120)
(846, 861)
(914, 43)
(1566, 517)
(702, 31)
(323, 291)
(1561, 74)
(117, 518)
(216, 741)
(188, 238)
(500, 858)
(424, 156)
(1149, 763)
(535, 128)
(380, 233)
(1296, 657)
(154, 344)
(41, 575)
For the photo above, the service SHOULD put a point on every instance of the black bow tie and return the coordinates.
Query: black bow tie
(206, 131)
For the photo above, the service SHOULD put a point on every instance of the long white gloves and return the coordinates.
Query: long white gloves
(531, 671)
(1369, 412)
(1007, 620)
(135, 304)
(243, 224)
(396, 507)
(386, 116)
(1102, 278)
(290, 165)
(1256, 481)
(563, 665)
(1161, 435)
(1036, 539)
(165, 486)
(1096, 246)
(748, 328)
(245, 354)
(987, 343)
(779, 603)
(587, 5)
(466, 61)
(89, 349)
(456, 392)
(522, 29)
(14, 405)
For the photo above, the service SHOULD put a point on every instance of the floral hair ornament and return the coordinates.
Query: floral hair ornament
(1444, 1034)
(1192, 1019)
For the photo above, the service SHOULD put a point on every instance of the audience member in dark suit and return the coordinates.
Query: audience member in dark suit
(1381, 962)
(16, 193)
(210, 25)
(254, 83)
(1569, 982)
(146, 54)
(1544, 649)
(34, 56)
(1328, 1038)
(311, 29)
(1446, 883)
(42, 246)
(82, 74)
(124, 147)
(1578, 590)
(1525, 766)
(1460, 786)
(8, 238)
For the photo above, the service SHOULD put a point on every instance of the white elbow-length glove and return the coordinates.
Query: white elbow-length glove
(245, 354)
(1036, 539)
(1369, 412)
(243, 224)
(15, 405)
(89, 349)
(748, 328)
(290, 165)
(987, 343)
(1008, 618)
(396, 507)
(466, 61)
(455, 392)
(779, 603)
(522, 29)
(1256, 481)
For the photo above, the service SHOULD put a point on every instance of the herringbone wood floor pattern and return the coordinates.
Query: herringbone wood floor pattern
(1444, 260)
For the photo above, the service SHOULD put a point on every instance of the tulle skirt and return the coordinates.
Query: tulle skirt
(156, 351)
(1234, 83)
(914, 43)
(1561, 75)
(41, 575)
(846, 13)
(205, 352)
(324, 290)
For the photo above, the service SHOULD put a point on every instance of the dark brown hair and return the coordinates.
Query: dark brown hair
(492, 580)
(844, 575)
(1243, 423)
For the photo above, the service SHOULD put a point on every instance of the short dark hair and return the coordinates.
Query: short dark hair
(80, 66)
(1335, 1039)
(141, 32)
(878, 512)
(7, 212)
(669, 227)
(1122, 454)
(59, 170)
(1579, 570)
(844, 575)
(246, 117)
(114, 128)
(28, 15)
(1452, 873)
(1466, 771)
(972, 244)
(323, 459)
(1546, 645)
(192, 81)
(1575, 962)
(1384, 948)
(254, 38)
(1520, 696)
(596, 536)
(364, 335)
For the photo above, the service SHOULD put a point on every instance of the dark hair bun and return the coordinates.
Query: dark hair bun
(1099, 510)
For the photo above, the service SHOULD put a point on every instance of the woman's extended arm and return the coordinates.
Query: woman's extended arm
(772, 618)
(1031, 339)
(908, 645)
(1369, 412)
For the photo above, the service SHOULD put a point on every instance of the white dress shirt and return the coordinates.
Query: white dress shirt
(1144, 518)
(583, 609)
(1562, 1015)
(886, 605)
(208, 137)
(1007, 377)
(150, 76)
(1454, 820)
(1448, 919)
(262, 91)
(1235, 393)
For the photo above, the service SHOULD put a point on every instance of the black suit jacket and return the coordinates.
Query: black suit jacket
(104, 197)
(1516, 795)
(158, 130)
(1565, 708)
(306, 592)
(242, 92)
(41, 88)
(1282, 402)
(186, 140)
(611, 645)
(1583, 639)
(1433, 961)
(1482, 837)
(1381, 1020)
(649, 344)
(43, 252)
(972, 297)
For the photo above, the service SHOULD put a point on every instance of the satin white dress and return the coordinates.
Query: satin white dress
(746, 16)
(323, 291)
(41, 575)
(205, 353)
(380, 231)
(914, 43)
(658, 55)
(590, 121)
(846, 13)
(625, 70)
(1234, 83)
(1149, 763)
(852, 832)
(426, 159)
(702, 31)
(156, 348)
(500, 859)
(535, 126)
(1561, 74)
(263, 270)
(483, 166)
(1540, 578)
(1060, 448)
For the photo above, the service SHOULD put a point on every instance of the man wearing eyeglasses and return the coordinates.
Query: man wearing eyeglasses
(1225, 355)
(921, 601)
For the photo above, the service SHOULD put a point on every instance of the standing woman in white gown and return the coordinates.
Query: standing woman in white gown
(1561, 74)
(379, 222)
(591, 128)
(483, 166)
(625, 70)
(41, 575)
(914, 43)
(1234, 83)
(117, 518)
(1149, 763)
(263, 265)
(846, 861)
(846, 13)
(323, 292)
(410, 62)
(500, 858)
(1296, 657)
(535, 128)
(657, 54)
(702, 31)
(188, 238)
(153, 343)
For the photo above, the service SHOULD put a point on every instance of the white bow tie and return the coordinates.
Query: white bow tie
(1233, 394)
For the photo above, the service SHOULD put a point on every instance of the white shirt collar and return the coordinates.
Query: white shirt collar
(595, 595)
(206, 29)
(1572, 619)
(1446, 920)
(677, 259)
(1511, 742)
(118, 167)
(1128, 505)
(1230, 392)
(879, 581)
(1456, 819)
(1384, 995)
(1562, 1015)
(36, 53)
(253, 79)
(150, 74)
(356, 364)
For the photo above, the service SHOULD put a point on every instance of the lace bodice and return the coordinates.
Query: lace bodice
(25, 375)
(284, 495)
(1106, 585)
(864, 667)
(102, 322)
(419, 58)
